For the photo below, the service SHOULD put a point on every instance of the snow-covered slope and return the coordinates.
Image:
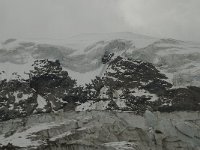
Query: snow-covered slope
(179, 60)
(84, 40)
(81, 55)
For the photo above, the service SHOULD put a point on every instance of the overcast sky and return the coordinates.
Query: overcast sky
(178, 19)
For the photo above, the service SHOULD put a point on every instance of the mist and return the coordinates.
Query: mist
(64, 18)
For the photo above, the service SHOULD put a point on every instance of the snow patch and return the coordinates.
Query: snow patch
(122, 145)
(140, 92)
(92, 105)
(22, 139)
(83, 78)
(41, 102)
(24, 96)
(61, 136)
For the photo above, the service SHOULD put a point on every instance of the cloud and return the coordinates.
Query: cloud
(167, 18)
(63, 18)
(59, 18)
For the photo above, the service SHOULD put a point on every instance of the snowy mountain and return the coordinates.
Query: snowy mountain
(81, 55)
(117, 72)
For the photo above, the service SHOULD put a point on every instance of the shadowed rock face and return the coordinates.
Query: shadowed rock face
(126, 85)
(103, 130)
(17, 99)
(181, 99)
(140, 86)
(43, 92)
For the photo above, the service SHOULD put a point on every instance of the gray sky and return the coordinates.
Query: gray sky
(63, 18)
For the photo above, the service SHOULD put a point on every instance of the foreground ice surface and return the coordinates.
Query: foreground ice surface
(104, 130)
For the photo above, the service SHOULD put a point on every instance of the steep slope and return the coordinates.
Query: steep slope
(179, 60)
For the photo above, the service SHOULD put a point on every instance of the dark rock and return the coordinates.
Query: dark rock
(180, 99)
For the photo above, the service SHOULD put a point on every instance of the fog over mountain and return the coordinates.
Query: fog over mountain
(177, 19)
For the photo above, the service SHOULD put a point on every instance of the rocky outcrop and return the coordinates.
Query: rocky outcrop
(50, 81)
(134, 85)
(180, 99)
(17, 99)
(126, 85)
(104, 130)
(48, 89)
